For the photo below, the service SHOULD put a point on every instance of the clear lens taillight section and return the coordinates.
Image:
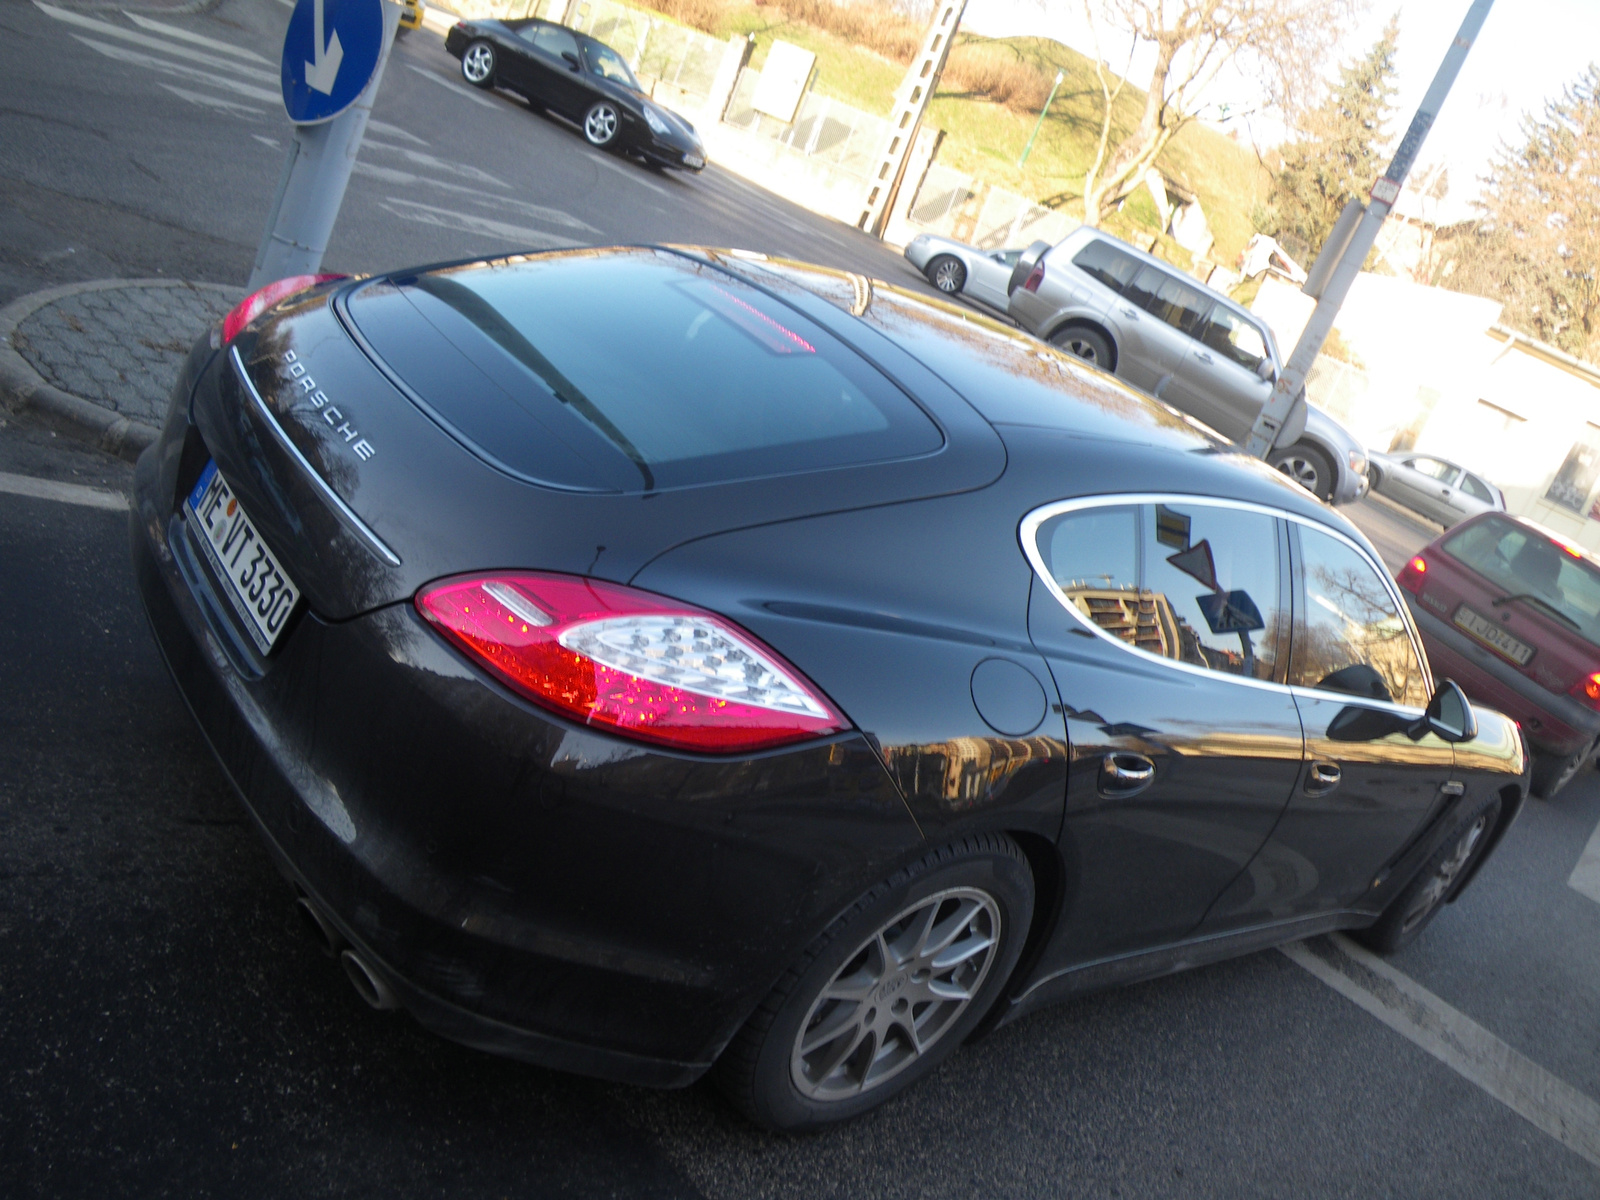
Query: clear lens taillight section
(630, 662)
(257, 302)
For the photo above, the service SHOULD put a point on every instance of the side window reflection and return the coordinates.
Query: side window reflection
(1350, 636)
(1194, 583)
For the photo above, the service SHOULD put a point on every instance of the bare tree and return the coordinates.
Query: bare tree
(1279, 44)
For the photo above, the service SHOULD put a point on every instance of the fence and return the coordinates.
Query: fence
(826, 131)
(959, 206)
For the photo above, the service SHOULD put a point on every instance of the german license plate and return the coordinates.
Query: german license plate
(693, 160)
(1491, 635)
(260, 590)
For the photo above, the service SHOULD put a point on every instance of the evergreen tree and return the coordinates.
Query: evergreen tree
(1336, 158)
(1536, 247)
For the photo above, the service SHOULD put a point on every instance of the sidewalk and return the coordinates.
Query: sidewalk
(102, 356)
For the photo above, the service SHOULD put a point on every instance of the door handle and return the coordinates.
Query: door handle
(1131, 312)
(1124, 774)
(1322, 778)
(1204, 357)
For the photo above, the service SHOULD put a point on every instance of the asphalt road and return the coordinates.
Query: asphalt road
(167, 1027)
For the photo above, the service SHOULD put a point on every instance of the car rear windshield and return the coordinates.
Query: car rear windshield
(1532, 568)
(679, 371)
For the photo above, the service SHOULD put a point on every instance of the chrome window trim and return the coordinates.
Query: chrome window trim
(1029, 534)
(340, 508)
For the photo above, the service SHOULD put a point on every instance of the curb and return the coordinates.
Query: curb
(24, 387)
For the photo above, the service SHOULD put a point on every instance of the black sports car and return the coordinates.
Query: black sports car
(813, 678)
(574, 76)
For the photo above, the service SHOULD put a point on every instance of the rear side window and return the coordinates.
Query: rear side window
(1145, 286)
(1349, 635)
(1195, 583)
(1476, 488)
(1528, 565)
(686, 372)
(1107, 264)
(1179, 305)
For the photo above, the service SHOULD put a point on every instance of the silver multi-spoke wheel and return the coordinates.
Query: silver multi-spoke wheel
(600, 126)
(477, 64)
(897, 995)
(1438, 886)
(948, 275)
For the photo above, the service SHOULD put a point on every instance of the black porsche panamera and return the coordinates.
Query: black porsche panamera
(577, 77)
(814, 679)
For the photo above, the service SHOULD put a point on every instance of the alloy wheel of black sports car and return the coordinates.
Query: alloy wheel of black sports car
(886, 992)
(1409, 913)
(601, 123)
(477, 65)
(947, 273)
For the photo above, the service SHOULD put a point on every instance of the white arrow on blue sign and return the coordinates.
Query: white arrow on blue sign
(330, 51)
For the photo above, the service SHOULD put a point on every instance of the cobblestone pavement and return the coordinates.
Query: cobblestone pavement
(120, 346)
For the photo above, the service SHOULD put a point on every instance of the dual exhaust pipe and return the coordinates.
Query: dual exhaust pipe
(367, 980)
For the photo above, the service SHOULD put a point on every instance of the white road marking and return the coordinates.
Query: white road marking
(1455, 1039)
(445, 83)
(418, 158)
(231, 107)
(66, 493)
(266, 141)
(178, 71)
(388, 130)
(106, 29)
(1585, 877)
(444, 218)
(196, 38)
(630, 172)
(550, 216)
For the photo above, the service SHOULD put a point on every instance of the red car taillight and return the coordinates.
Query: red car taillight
(257, 302)
(1412, 574)
(1035, 277)
(1587, 691)
(630, 662)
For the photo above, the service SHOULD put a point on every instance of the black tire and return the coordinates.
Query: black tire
(767, 1073)
(1087, 344)
(947, 273)
(1308, 466)
(602, 123)
(1551, 772)
(479, 63)
(1434, 885)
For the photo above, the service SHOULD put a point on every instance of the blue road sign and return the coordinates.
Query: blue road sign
(329, 54)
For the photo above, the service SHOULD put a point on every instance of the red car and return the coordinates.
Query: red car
(1511, 611)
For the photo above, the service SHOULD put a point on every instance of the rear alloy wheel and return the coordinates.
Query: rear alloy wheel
(947, 273)
(887, 992)
(1307, 466)
(1409, 912)
(1086, 344)
(600, 124)
(477, 65)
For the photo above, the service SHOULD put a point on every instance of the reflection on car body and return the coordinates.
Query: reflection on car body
(791, 687)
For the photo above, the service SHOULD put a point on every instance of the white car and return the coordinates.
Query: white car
(1440, 490)
(956, 268)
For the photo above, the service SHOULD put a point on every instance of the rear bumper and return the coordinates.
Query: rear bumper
(526, 887)
(1553, 723)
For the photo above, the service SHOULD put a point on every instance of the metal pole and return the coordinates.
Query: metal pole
(316, 172)
(1276, 411)
(1028, 149)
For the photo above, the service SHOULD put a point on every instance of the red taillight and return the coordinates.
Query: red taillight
(630, 662)
(257, 302)
(1035, 277)
(1588, 691)
(1411, 574)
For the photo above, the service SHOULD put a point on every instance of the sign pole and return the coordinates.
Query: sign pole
(1039, 124)
(322, 154)
(1333, 279)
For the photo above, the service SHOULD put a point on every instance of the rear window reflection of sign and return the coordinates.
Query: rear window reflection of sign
(1576, 478)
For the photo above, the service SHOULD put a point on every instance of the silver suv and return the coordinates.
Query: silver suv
(1166, 334)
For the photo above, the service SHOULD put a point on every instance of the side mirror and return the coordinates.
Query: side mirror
(1265, 371)
(1448, 717)
(571, 59)
(1026, 262)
